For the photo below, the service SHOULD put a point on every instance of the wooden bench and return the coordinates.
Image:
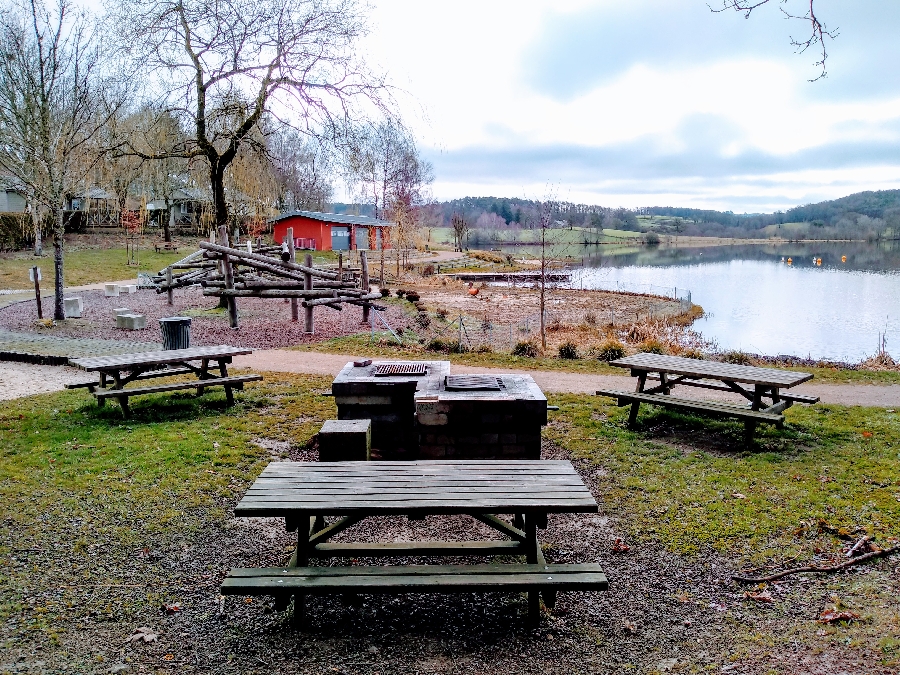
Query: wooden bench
(92, 385)
(122, 395)
(771, 415)
(282, 582)
(167, 246)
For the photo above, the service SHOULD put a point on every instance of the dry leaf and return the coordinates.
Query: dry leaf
(620, 547)
(738, 495)
(142, 634)
(835, 615)
(683, 597)
(174, 607)
(759, 596)
(630, 626)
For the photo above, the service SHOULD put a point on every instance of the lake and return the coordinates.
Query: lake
(757, 302)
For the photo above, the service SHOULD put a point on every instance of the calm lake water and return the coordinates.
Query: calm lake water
(758, 303)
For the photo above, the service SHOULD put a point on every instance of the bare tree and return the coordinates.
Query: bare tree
(223, 65)
(460, 230)
(53, 101)
(303, 170)
(818, 34)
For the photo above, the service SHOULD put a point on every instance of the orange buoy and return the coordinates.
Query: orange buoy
(473, 291)
(843, 258)
(818, 262)
(790, 261)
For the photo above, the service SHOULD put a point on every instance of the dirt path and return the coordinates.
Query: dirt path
(279, 360)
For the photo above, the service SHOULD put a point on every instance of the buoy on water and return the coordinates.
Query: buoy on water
(843, 258)
(818, 262)
(790, 261)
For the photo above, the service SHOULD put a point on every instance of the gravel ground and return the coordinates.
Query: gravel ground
(662, 613)
(264, 323)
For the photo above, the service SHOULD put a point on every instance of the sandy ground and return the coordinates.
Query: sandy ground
(23, 379)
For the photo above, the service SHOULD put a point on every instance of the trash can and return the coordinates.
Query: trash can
(176, 332)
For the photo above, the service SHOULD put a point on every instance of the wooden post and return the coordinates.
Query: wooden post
(308, 326)
(364, 281)
(289, 236)
(229, 278)
(37, 291)
(340, 267)
(169, 292)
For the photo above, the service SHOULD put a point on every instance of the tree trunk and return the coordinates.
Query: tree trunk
(38, 241)
(168, 222)
(220, 207)
(59, 309)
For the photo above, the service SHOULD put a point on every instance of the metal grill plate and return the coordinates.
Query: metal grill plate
(384, 369)
(472, 383)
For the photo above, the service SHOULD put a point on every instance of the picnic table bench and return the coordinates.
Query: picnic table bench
(118, 371)
(167, 246)
(671, 371)
(306, 493)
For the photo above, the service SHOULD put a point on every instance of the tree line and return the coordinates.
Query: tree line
(260, 106)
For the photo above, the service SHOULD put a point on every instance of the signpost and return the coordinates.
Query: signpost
(34, 274)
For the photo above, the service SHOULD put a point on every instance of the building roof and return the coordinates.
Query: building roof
(337, 218)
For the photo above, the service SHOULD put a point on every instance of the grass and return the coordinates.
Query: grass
(79, 484)
(82, 266)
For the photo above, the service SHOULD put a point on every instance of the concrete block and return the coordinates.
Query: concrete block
(74, 307)
(128, 288)
(428, 420)
(131, 321)
(121, 310)
(111, 290)
(345, 441)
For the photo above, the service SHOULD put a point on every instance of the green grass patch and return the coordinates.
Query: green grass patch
(691, 484)
(83, 266)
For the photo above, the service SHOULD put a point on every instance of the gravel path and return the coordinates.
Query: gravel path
(561, 382)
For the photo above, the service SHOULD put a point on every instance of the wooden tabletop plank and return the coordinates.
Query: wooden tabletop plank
(158, 358)
(710, 369)
(490, 486)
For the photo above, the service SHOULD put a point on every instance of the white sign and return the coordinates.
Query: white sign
(31, 273)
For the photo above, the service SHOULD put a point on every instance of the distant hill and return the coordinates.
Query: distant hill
(864, 215)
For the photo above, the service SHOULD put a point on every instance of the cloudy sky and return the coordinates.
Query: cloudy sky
(646, 102)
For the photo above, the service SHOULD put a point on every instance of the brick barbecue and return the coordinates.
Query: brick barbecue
(420, 411)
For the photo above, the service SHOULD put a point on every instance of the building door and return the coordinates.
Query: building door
(340, 238)
(362, 238)
(378, 243)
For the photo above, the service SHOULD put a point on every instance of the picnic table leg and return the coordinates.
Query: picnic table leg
(204, 368)
(531, 557)
(223, 371)
(750, 427)
(123, 400)
(636, 406)
(301, 559)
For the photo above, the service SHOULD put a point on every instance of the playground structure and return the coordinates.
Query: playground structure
(230, 273)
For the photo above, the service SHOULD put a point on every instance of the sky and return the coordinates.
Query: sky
(645, 102)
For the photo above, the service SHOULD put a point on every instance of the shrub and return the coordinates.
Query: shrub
(692, 354)
(652, 346)
(486, 256)
(738, 358)
(428, 270)
(442, 314)
(412, 296)
(528, 349)
(611, 350)
(400, 292)
(568, 350)
(17, 231)
(446, 346)
(590, 319)
(651, 239)
(554, 325)
(385, 292)
(423, 320)
(484, 349)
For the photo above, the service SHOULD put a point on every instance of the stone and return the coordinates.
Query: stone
(73, 307)
(111, 290)
(128, 288)
(345, 441)
(122, 310)
(131, 321)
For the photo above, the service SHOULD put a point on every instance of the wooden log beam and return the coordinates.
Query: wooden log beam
(254, 293)
(342, 298)
(243, 255)
(229, 277)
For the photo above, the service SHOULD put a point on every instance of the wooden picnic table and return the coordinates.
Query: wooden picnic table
(672, 371)
(306, 493)
(119, 370)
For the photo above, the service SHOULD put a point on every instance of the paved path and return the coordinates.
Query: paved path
(288, 361)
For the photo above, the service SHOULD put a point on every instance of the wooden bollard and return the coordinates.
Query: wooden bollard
(307, 285)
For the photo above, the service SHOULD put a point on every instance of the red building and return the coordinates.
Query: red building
(333, 231)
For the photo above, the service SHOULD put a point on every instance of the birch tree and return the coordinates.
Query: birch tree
(53, 101)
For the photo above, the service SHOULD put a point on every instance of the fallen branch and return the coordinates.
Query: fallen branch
(833, 568)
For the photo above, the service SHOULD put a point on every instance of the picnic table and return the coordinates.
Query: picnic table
(306, 493)
(672, 371)
(119, 370)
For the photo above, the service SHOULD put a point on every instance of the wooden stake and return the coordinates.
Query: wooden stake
(308, 311)
(37, 292)
(229, 278)
(295, 309)
(169, 292)
(364, 281)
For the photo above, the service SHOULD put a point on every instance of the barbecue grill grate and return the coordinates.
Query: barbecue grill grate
(472, 383)
(399, 369)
